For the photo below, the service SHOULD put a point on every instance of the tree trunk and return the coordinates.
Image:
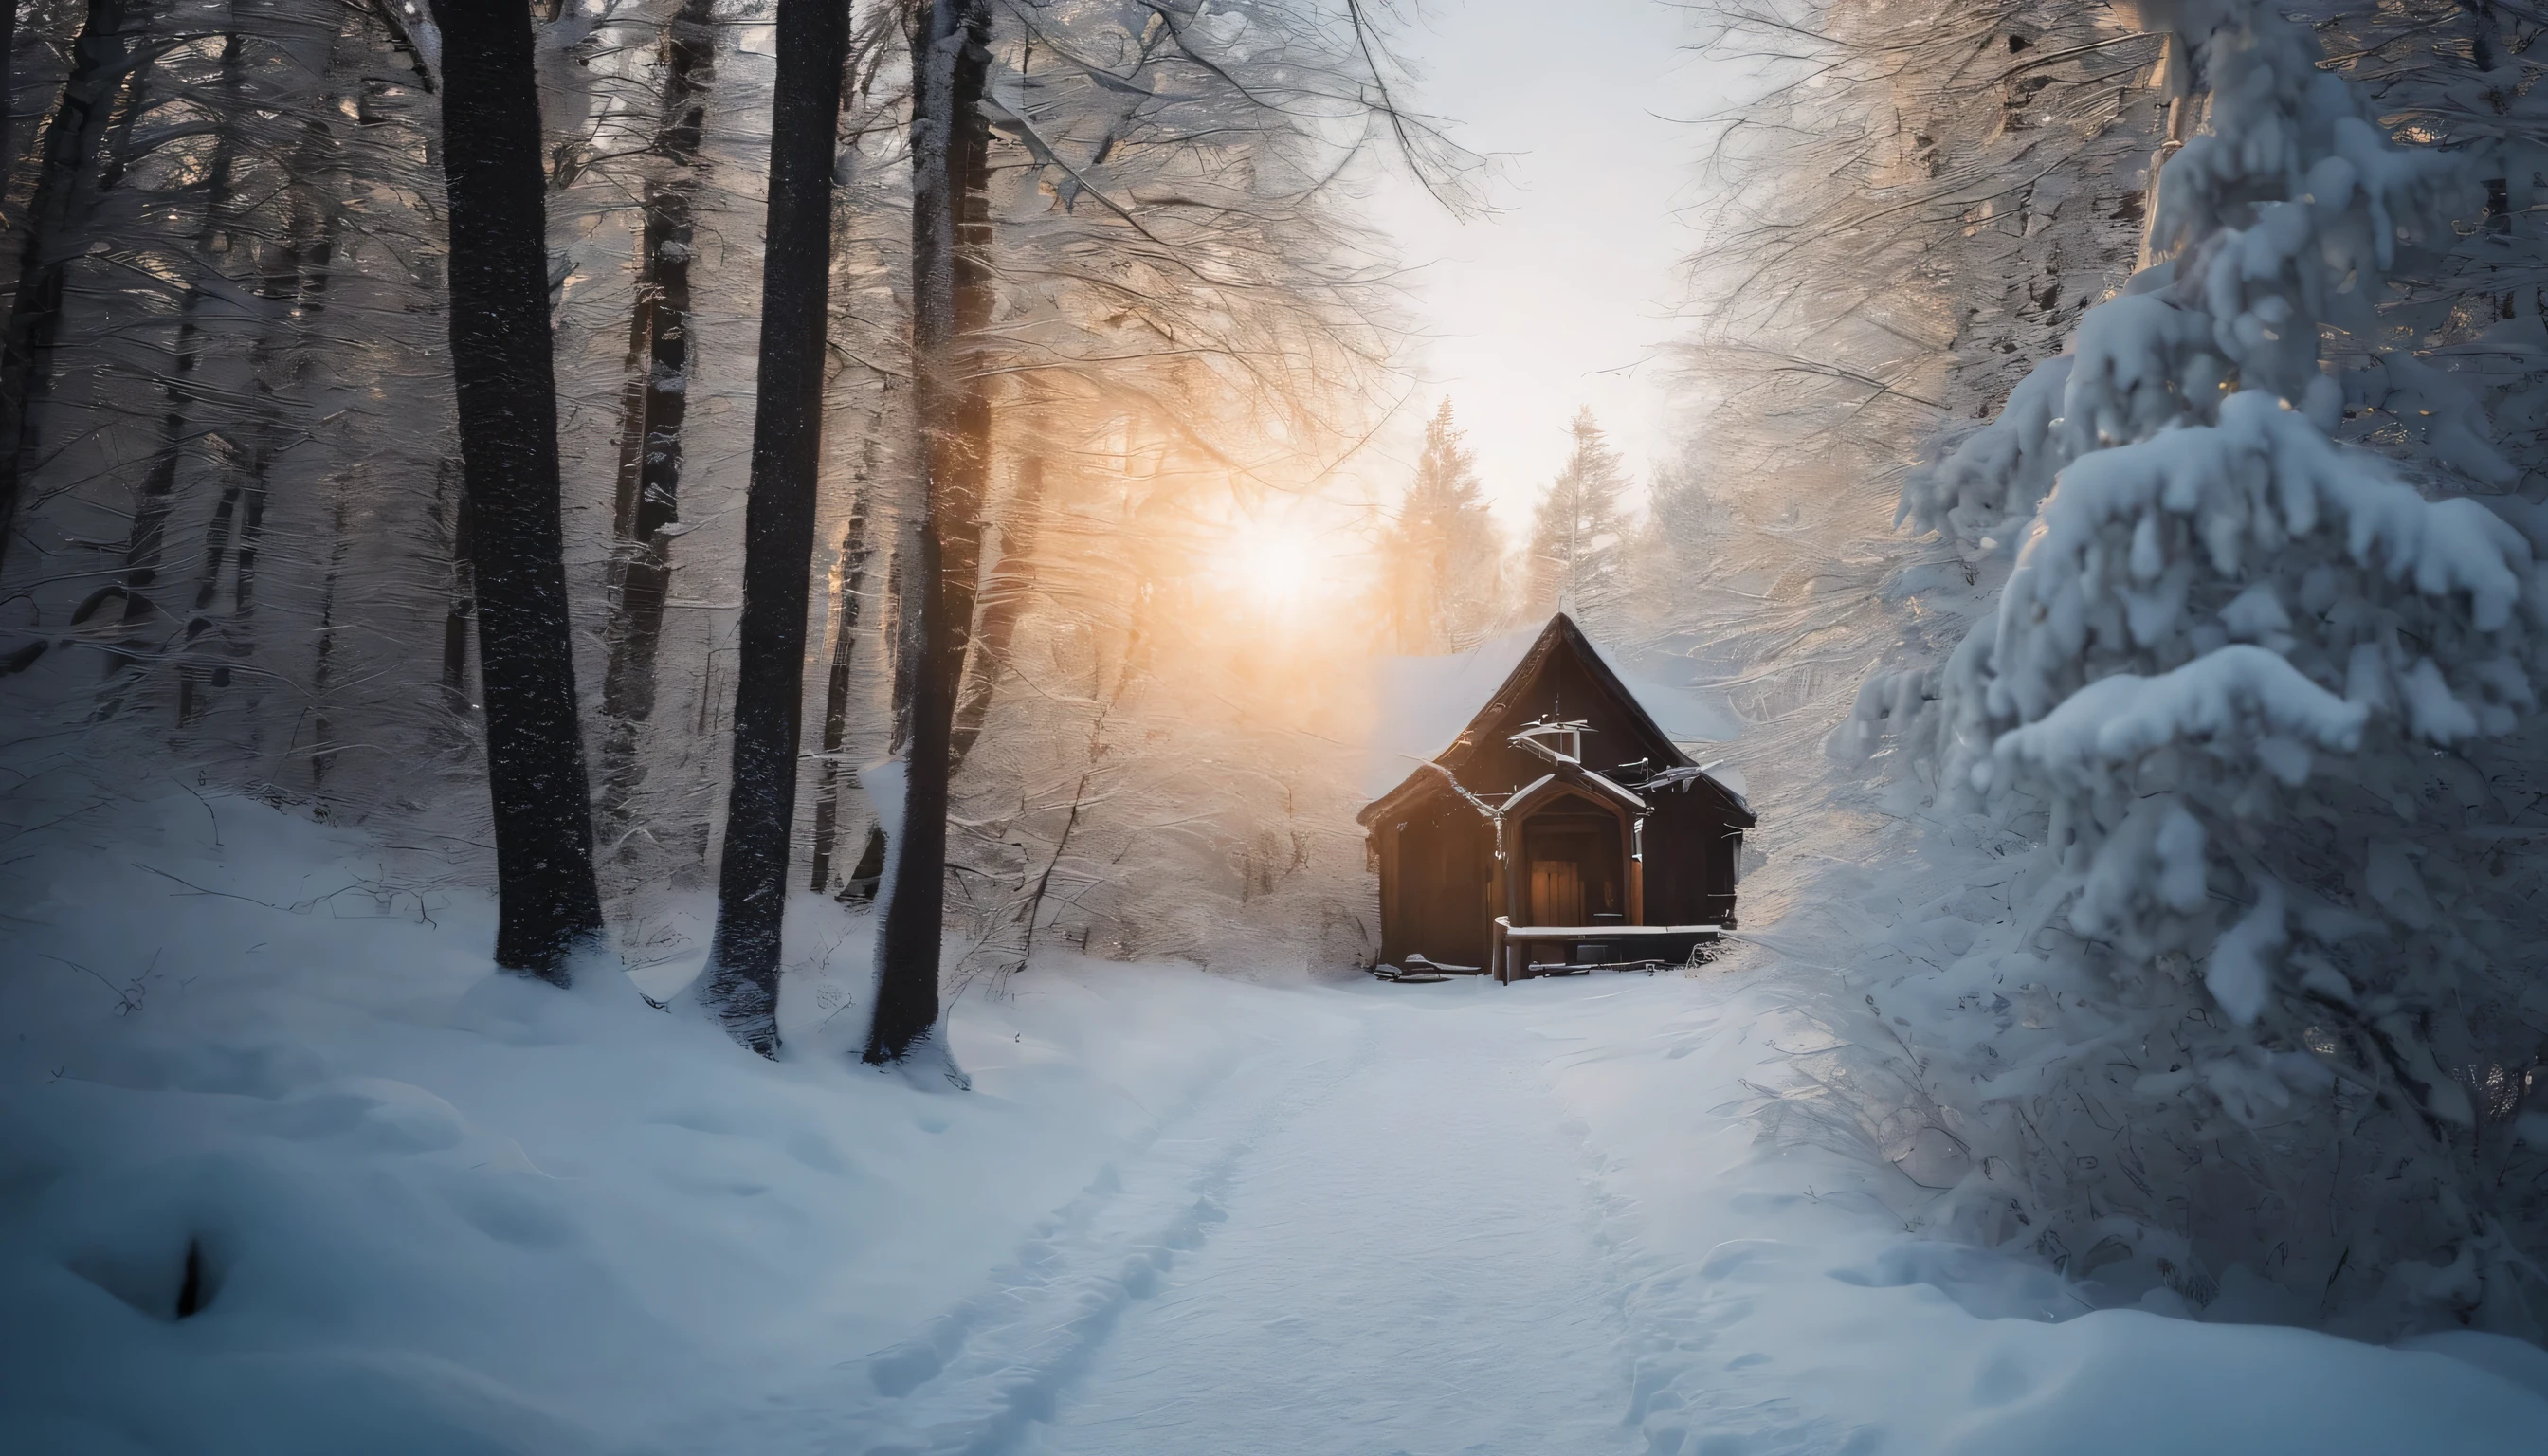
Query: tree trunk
(8, 71)
(658, 404)
(1004, 601)
(302, 270)
(65, 192)
(214, 642)
(855, 551)
(505, 381)
(950, 303)
(742, 982)
(460, 599)
(145, 542)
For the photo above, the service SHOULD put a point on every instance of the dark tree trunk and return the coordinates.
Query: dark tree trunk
(1004, 600)
(657, 406)
(950, 303)
(505, 378)
(215, 640)
(66, 193)
(460, 606)
(867, 876)
(146, 543)
(297, 275)
(742, 980)
(855, 552)
(8, 71)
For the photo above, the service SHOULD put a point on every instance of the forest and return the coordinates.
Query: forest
(685, 687)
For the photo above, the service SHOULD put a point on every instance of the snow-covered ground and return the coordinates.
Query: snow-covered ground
(440, 1211)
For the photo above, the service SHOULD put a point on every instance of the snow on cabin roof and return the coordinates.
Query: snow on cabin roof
(1421, 703)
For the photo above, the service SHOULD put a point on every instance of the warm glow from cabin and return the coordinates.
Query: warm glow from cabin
(1271, 568)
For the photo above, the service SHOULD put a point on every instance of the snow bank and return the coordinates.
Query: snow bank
(1779, 1305)
(430, 1209)
(435, 1209)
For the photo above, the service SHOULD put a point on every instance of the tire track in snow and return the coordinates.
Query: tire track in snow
(1412, 1266)
(973, 1380)
(1695, 1368)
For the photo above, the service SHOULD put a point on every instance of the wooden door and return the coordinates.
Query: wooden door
(1556, 893)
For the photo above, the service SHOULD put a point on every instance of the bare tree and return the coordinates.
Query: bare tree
(505, 381)
(741, 984)
(661, 366)
(950, 300)
(67, 181)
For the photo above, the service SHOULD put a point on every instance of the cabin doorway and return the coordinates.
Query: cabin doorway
(1575, 863)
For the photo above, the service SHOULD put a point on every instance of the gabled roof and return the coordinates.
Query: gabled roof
(1561, 635)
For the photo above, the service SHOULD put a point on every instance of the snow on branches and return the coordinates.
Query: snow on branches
(2245, 690)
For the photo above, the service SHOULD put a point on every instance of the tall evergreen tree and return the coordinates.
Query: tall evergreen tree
(1446, 563)
(505, 381)
(1686, 537)
(1577, 540)
(742, 982)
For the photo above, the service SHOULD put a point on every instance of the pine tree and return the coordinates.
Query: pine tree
(1444, 560)
(2246, 691)
(1579, 538)
(1686, 534)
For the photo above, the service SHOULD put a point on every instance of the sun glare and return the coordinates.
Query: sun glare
(1274, 568)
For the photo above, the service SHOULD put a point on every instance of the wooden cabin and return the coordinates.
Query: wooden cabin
(1561, 828)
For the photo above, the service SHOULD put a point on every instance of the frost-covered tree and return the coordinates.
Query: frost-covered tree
(1579, 535)
(55, 228)
(1442, 561)
(2259, 705)
(1185, 320)
(1907, 208)
(1911, 206)
(248, 541)
(950, 304)
(655, 408)
(2460, 77)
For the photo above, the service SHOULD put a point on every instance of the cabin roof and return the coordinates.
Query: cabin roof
(1436, 710)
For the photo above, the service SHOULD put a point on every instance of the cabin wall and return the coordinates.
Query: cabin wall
(1691, 854)
(1434, 884)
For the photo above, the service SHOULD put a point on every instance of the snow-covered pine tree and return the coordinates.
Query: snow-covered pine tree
(1578, 537)
(2457, 77)
(2252, 700)
(1443, 559)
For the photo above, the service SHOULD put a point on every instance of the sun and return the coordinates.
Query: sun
(1274, 568)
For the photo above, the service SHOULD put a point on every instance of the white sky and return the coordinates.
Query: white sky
(1562, 299)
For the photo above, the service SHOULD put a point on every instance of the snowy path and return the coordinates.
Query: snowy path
(443, 1213)
(1382, 1247)
(1408, 1266)
(1465, 1218)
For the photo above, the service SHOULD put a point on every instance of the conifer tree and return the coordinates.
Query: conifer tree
(1446, 563)
(1577, 539)
(2245, 689)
